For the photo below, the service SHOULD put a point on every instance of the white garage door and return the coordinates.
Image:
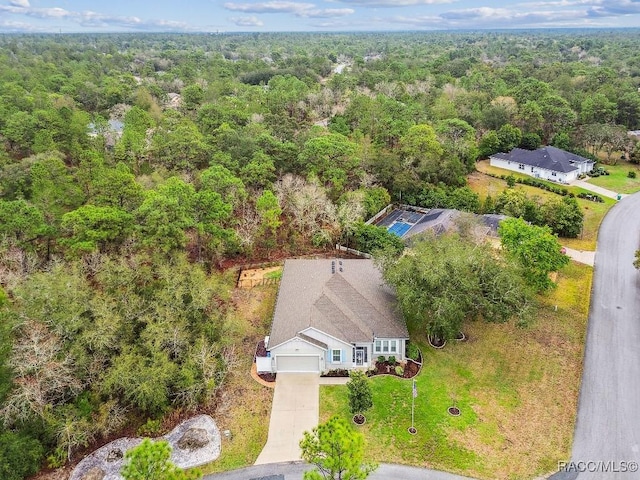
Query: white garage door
(298, 363)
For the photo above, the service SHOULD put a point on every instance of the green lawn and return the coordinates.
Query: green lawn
(484, 167)
(617, 180)
(593, 212)
(517, 389)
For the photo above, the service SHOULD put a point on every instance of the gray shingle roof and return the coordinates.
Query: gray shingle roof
(353, 305)
(313, 341)
(550, 158)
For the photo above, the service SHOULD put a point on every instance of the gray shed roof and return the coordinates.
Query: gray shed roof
(353, 304)
(549, 158)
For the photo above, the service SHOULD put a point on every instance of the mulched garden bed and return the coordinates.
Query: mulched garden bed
(410, 369)
(261, 350)
(339, 372)
(359, 419)
(268, 377)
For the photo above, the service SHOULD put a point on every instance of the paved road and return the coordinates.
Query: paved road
(608, 423)
(295, 471)
(295, 409)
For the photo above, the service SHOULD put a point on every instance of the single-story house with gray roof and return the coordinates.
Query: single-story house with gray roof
(333, 314)
(548, 163)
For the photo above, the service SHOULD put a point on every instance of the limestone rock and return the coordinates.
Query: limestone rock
(95, 473)
(114, 455)
(193, 439)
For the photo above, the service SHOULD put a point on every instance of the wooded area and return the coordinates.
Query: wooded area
(135, 167)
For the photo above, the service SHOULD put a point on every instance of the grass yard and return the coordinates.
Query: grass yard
(617, 180)
(244, 406)
(484, 167)
(517, 389)
(594, 212)
(593, 215)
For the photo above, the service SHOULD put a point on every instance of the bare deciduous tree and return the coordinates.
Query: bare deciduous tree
(307, 205)
(44, 375)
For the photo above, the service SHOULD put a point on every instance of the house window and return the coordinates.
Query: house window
(553, 174)
(336, 356)
(521, 166)
(532, 169)
(386, 346)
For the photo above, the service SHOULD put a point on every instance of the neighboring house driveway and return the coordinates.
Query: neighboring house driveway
(608, 423)
(595, 189)
(294, 410)
(581, 256)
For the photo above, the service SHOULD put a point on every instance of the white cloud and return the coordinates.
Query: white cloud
(11, 26)
(525, 14)
(270, 7)
(306, 10)
(329, 13)
(92, 19)
(615, 7)
(252, 21)
(487, 17)
(395, 3)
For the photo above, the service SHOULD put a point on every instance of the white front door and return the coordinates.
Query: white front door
(360, 356)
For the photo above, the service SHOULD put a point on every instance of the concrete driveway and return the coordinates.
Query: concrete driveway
(595, 189)
(295, 410)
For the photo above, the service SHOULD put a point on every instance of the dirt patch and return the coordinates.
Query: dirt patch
(258, 276)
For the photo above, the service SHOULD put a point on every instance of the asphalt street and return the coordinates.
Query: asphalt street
(295, 471)
(607, 435)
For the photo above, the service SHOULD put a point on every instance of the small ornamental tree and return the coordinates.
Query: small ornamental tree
(359, 391)
(336, 450)
(151, 461)
(536, 248)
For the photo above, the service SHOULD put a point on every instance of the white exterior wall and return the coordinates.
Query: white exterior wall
(264, 364)
(500, 163)
(333, 344)
(296, 346)
(585, 167)
(536, 172)
(399, 354)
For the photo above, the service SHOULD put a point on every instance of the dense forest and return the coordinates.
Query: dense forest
(133, 168)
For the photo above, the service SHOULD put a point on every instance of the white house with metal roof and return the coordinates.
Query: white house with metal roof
(333, 314)
(548, 163)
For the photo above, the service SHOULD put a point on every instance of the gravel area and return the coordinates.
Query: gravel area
(106, 462)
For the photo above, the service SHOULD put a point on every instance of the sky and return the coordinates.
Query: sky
(70, 16)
